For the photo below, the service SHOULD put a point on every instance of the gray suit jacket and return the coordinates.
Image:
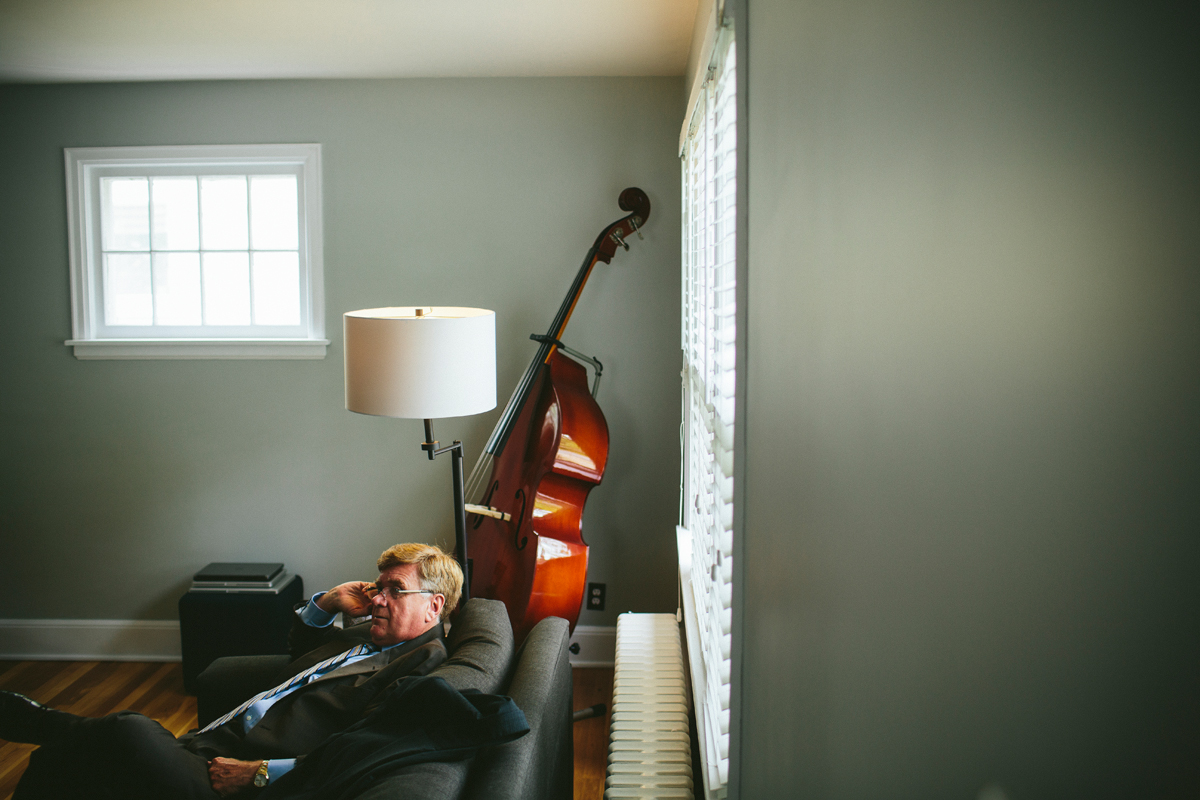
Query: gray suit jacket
(299, 722)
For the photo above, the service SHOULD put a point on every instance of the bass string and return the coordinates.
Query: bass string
(513, 408)
(482, 468)
(483, 465)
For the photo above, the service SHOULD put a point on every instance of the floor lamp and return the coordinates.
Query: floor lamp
(424, 363)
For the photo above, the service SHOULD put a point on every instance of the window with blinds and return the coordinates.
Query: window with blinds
(709, 337)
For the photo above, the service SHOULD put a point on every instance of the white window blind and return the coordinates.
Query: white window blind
(709, 337)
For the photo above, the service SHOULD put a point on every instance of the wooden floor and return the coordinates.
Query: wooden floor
(95, 688)
(592, 686)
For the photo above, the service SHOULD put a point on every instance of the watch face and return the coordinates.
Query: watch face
(260, 777)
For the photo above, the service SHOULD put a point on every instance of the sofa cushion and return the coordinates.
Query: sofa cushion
(434, 780)
(481, 648)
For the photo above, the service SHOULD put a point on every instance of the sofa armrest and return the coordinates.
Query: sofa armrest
(230, 680)
(539, 765)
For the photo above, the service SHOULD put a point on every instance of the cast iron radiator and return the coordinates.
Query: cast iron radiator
(649, 750)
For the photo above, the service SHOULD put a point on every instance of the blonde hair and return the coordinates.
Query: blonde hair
(438, 570)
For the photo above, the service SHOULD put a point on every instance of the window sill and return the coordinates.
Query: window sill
(114, 349)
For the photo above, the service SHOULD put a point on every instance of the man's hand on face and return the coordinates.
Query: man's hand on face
(350, 598)
(228, 775)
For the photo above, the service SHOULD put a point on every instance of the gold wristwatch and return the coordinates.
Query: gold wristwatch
(260, 777)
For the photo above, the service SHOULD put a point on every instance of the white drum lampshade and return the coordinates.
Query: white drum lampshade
(420, 362)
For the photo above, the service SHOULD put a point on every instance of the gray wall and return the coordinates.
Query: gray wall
(971, 515)
(120, 478)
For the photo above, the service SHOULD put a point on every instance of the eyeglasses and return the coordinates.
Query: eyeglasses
(395, 591)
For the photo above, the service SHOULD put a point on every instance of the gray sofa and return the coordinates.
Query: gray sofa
(537, 677)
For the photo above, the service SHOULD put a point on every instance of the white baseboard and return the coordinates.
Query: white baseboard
(597, 646)
(89, 640)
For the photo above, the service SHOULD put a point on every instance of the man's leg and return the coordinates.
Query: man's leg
(27, 721)
(123, 755)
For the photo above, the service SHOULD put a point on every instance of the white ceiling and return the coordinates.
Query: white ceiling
(135, 40)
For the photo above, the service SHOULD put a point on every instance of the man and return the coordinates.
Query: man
(340, 678)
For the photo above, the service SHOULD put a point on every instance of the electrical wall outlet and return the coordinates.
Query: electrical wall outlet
(595, 596)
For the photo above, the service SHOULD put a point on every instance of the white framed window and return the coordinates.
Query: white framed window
(196, 251)
(709, 343)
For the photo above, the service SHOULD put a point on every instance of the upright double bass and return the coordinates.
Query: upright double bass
(546, 453)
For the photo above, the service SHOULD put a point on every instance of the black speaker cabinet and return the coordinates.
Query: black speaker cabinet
(215, 624)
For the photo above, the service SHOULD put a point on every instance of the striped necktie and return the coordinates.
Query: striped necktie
(325, 666)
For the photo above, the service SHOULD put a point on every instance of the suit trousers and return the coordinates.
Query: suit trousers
(122, 755)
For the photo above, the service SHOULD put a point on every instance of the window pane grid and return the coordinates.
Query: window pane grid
(166, 218)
